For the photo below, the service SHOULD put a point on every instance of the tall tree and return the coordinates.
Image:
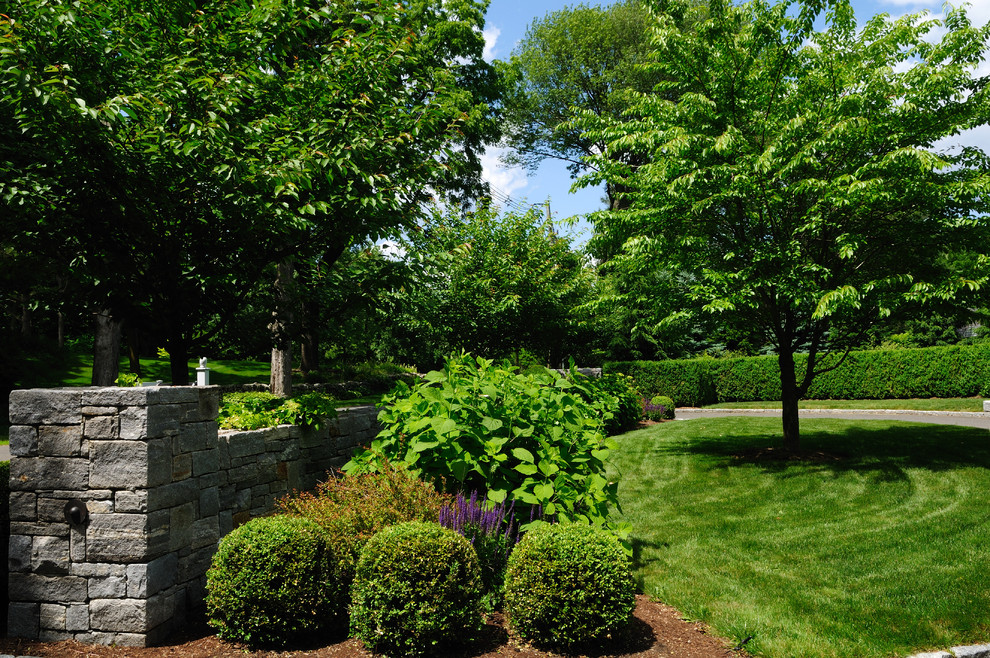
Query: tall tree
(577, 57)
(496, 284)
(798, 175)
(177, 149)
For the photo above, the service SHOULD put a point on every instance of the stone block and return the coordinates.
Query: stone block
(197, 436)
(19, 553)
(60, 440)
(77, 544)
(23, 506)
(176, 395)
(108, 587)
(171, 495)
(205, 462)
(37, 587)
(182, 467)
(113, 396)
(101, 427)
(122, 464)
(98, 411)
(52, 616)
(209, 502)
(247, 444)
(118, 615)
(45, 635)
(195, 565)
(60, 529)
(131, 501)
(23, 441)
(77, 618)
(50, 556)
(138, 423)
(33, 473)
(54, 406)
(204, 532)
(126, 538)
(98, 570)
(23, 619)
(972, 651)
(144, 580)
(180, 524)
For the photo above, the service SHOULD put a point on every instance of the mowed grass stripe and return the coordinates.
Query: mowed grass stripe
(883, 552)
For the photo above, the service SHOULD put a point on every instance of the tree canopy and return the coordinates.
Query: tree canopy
(170, 152)
(801, 178)
(577, 57)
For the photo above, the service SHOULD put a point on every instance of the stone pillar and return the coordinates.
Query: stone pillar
(143, 462)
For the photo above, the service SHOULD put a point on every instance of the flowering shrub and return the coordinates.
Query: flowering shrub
(351, 509)
(492, 531)
(659, 408)
(530, 438)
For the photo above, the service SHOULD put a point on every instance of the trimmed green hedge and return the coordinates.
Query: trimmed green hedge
(931, 372)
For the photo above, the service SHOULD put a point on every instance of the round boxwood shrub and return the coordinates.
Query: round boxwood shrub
(660, 407)
(417, 586)
(272, 581)
(568, 585)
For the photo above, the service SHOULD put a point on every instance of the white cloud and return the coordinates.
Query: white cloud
(504, 180)
(491, 34)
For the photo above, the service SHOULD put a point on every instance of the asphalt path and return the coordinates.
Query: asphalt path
(964, 418)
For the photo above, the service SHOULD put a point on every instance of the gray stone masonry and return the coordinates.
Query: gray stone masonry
(160, 486)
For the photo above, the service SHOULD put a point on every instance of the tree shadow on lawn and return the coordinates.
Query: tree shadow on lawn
(883, 453)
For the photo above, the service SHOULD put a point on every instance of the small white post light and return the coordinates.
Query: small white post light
(202, 373)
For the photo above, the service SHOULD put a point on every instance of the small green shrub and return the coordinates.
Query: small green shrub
(351, 509)
(417, 587)
(272, 581)
(252, 410)
(568, 585)
(659, 408)
(617, 398)
(531, 439)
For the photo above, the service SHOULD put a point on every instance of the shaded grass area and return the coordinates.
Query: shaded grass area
(928, 404)
(878, 548)
(68, 368)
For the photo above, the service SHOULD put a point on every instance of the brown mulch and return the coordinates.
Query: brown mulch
(656, 631)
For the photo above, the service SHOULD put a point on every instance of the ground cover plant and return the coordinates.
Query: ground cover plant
(251, 410)
(871, 546)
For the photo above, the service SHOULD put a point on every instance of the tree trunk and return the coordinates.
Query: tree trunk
(61, 329)
(310, 336)
(789, 401)
(178, 358)
(106, 350)
(133, 350)
(25, 317)
(281, 380)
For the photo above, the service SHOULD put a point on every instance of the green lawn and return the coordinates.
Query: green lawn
(881, 553)
(75, 369)
(927, 404)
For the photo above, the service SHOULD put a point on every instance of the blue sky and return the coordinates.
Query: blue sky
(507, 21)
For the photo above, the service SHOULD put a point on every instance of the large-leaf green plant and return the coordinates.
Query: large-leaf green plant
(526, 437)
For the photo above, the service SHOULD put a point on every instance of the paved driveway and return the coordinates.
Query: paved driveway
(965, 418)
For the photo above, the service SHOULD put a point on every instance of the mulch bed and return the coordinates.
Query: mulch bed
(656, 631)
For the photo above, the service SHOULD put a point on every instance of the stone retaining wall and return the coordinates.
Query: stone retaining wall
(159, 486)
